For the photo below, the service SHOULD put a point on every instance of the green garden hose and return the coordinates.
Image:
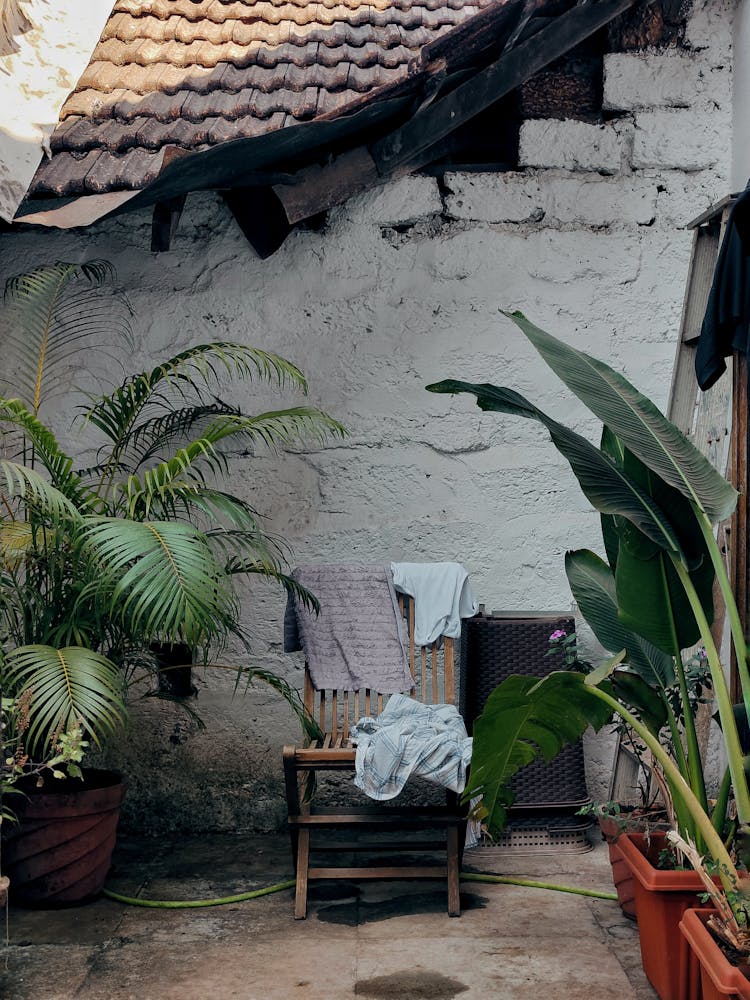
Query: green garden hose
(176, 904)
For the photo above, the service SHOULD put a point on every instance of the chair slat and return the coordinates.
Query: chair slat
(449, 679)
(334, 712)
(435, 695)
(423, 672)
(345, 725)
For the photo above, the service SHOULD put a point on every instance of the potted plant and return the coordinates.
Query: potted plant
(659, 499)
(141, 547)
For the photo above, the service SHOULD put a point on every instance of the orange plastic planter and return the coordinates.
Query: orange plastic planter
(709, 975)
(661, 898)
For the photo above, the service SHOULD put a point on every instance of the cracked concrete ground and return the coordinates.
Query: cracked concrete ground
(385, 941)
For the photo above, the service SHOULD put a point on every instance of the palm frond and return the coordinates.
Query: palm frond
(28, 485)
(292, 587)
(159, 578)
(277, 427)
(194, 369)
(50, 314)
(69, 685)
(155, 436)
(47, 451)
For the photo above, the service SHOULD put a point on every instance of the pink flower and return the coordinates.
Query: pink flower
(558, 634)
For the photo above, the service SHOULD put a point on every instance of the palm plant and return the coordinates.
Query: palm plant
(142, 546)
(659, 499)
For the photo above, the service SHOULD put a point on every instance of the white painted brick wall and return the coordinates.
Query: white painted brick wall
(657, 79)
(402, 288)
(683, 140)
(552, 198)
(573, 145)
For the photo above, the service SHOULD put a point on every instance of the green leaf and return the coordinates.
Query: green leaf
(48, 452)
(525, 719)
(636, 421)
(67, 685)
(605, 669)
(593, 587)
(633, 691)
(50, 314)
(607, 487)
(159, 578)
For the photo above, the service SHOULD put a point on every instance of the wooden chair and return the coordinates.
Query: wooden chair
(432, 671)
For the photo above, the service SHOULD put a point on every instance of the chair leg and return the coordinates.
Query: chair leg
(452, 850)
(292, 798)
(303, 864)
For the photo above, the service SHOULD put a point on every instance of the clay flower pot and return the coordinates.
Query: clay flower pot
(709, 975)
(59, 851)
(612, 829)
(661, 898)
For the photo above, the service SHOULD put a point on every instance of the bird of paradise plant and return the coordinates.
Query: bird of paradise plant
(659, 499)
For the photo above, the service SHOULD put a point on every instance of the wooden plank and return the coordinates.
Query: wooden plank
(346, 715)
(713, 211)
(449, 682)
(414, 871)
(435, 695)
(684, 392)
(423, 673)
(335, 712)
(303, 873)
(511, 70)
(164, 222)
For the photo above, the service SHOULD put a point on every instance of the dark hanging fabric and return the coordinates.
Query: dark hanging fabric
(726, 325)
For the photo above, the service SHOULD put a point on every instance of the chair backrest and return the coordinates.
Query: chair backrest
(432, 671)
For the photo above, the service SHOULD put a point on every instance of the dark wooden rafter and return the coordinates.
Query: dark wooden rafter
(164, 222)
(411, 146)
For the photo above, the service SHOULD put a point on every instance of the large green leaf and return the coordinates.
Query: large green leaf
(593, 587)
(636, 421)
(651, 598)
(159, 578)
(67, 686)
(524, 719)
(607, 487)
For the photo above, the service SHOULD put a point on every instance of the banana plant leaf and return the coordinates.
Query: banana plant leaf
(643, 686)
(605, 485)
(525, 719)
(650, 596)
(636, 421)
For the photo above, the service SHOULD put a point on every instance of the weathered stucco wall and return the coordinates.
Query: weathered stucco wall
(404, 287)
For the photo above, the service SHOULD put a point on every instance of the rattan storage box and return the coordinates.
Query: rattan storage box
(547, 795)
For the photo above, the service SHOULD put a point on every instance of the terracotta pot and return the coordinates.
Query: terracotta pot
(661, 898)
(59, 852)
(612, 829)
(709, 975)
(621, 874)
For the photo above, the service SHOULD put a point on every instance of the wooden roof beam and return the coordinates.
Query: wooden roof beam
(316, 189)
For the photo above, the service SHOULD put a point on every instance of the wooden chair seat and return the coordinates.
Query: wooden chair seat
(311, 827)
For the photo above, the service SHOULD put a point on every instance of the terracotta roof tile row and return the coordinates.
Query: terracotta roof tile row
(194, 73)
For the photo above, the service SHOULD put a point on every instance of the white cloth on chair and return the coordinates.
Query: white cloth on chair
(410, 738)
(359, 638)
(442, 597)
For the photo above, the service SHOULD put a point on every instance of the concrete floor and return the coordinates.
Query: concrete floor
(385, 941)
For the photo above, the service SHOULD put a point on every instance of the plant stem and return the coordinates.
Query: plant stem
(721, 691)
(738, 636)
(715, 845)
